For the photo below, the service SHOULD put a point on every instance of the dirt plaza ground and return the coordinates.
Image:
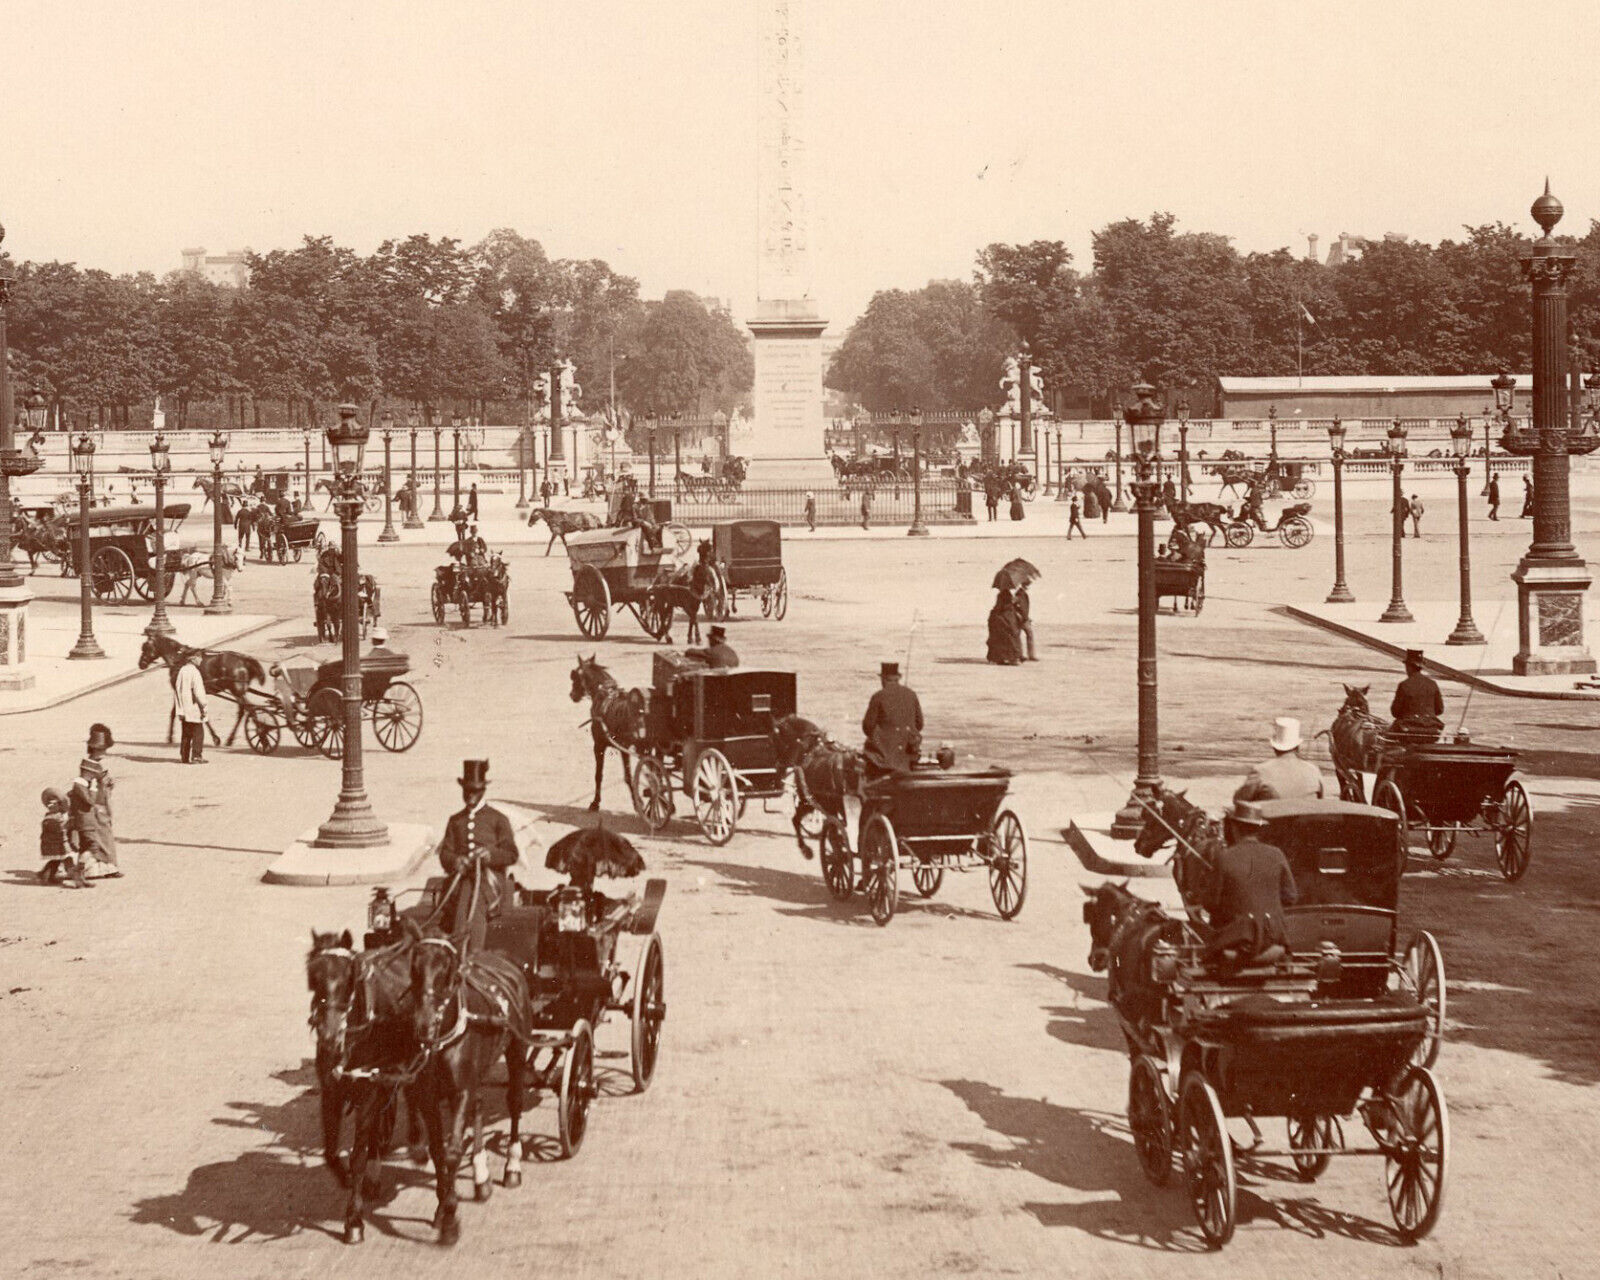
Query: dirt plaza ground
(946, 1095)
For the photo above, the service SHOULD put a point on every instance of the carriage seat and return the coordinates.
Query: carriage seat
(514, 933)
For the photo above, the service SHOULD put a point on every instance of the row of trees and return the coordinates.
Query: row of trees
(1184, 308)
(419, 321)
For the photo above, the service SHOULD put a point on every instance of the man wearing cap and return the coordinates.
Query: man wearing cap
(1418, 706)
(1286, 776)
(1250, 886)
(476, 833)
(719, 653)
(893, 724)
(189, 701)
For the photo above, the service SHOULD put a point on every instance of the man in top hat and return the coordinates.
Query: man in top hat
(719, 653)
(1418, 706)
(479, 833)
(1286, 776)
(893, 724)
(1250, 886)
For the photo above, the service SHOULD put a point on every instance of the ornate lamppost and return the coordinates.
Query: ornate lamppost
(413, 513)
(1272, 435)
(917, 529)
(1120, 503)
(353, 824)
(1183, 448)
(677, 457)
(1466, 631)
(438, 511)
(1397, 611)
(1061, 471)
(522, 455)
(305, 438)
(217, 450)
(389, 533)
(1341, 592)
(455, 463)
(82, 467)
(160, 464)
(650, 425)
(1144, 419)
(14, 593)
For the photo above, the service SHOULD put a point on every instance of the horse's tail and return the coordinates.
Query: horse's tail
(258, 673)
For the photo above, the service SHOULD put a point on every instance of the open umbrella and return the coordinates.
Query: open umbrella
(1016, 573)
(593, 851)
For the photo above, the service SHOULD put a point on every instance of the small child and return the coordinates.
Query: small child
(58, 843)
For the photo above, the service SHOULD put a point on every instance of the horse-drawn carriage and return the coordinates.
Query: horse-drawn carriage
(1293, 527)
(747, 557)
(1335, 1025)
(1275, 478)
(1182, 580)
(487, 586)
(327, 598)
(287, 539)
(122, 551)
(309, 703)
(1002, 476)
(618, 567)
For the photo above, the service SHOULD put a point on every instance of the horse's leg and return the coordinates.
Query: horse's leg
(516, 1072)
(482, 1187)
(552, 541)
(599, 763)
(416, 1128)
(239, 696)
(355, 1211)
(454, 1139)
(334, 1096)
(801, 809)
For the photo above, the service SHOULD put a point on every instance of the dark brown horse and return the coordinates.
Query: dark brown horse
(824, 773)
(1188, 515)
(50, 538)
(1198, 837)
(1353, 743)
(1123, 932)
(616, 718)
(225, 673)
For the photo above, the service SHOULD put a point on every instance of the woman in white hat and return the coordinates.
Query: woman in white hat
(1286, 776)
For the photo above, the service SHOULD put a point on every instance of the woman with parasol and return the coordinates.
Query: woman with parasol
(1010, 618)
(582, 855)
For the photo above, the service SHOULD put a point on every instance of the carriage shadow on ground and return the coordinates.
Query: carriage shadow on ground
(811, 895)
(1092, 1025)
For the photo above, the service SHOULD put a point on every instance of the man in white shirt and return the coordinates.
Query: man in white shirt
(189, 700)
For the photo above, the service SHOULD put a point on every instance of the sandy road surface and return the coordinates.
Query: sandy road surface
(942, 1096)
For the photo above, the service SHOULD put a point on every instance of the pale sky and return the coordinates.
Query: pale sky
(625, 129)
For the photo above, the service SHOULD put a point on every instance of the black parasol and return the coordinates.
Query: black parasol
(1016, 573)
(593, 851)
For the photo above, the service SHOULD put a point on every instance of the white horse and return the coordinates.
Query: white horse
(197, 564)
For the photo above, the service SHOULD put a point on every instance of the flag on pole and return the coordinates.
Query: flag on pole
(1310, 319)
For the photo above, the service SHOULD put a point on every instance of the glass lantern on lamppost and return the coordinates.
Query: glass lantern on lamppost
(1336, 436)
(1397, 611)
(217, 450)
(389, 533)
(353, 824)
(154, 573)
(83, 469)
(1466, 631)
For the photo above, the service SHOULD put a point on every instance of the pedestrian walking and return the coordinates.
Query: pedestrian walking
(90, 802)
(1104, 494)
(1024, 609)
(991, 498)
(866, 507)
(811, 511)
(1016, 502)
(1074, 518)
(1005, 631)
(1527, 496)
(59, 849)
(1414, 509)
(472, 502)
(1494, 497)
(189, 701)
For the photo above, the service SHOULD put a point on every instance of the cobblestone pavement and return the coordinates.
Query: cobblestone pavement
(942, 1096)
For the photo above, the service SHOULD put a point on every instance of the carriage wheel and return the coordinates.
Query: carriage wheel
(780, 596)
(397, 717)
(261, 731)
(327, 709)
(464, 604)
(320, 542)
(282, 542)
(716, 796)
(652, 793)
(1513, 832)
(880, 868)
(1150, 1120)
(111, 575)
(1030, 489)
(655, 616)
(307, 730)
(591, 603)
(1008, 864)
(1424, 974)
(766, 602)
(1295, 532)
(649, 1012)
(298, 552)
(1207, 1159)
(838, 870)
(1239, 534)
(1305, 489)
(1197, 594)
(927, 878)
(1386, 795)
(1417, 1154)
(577, 1089)
(437, 598)
(1442, 841)
(1311, 1138)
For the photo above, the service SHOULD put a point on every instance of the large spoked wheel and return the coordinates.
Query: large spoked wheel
(1424, 976)
(1442, 841)
(655, 616)
(591, 603)
(1207, 1160)
(838, 870)
(262, 731)
(880, 863)
(1416, 1151)
(716, 796)
(649, 1012)
(397, 717)
(766, 601)
(1295, 532)
(1239, 534)
(780, 596)
(111, 575)
(307, 730)
(297, 552)
(1513, 832)
(1387, 796)
(319, 540)
(1312, 1140)
(1008, 864)
(577, 1089)
(464, 606)
(652, 793)
(927, 878)
(437, 598)
(1305, 489)
(1150, 1120)
(327, 710)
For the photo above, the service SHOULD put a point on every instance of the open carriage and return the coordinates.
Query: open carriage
(613, 567)
(286, 540)
(309, 702)
(1184, 581)
(463, 586)
(122, 551)
(1336, 1025)
(748, 560)
(1442, 790)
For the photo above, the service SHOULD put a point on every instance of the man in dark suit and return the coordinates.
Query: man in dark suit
(719, 653)
(1250, 887)
(1418, 706)
(893, 724)
(476, 833)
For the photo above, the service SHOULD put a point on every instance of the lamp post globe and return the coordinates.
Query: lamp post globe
(82, 455)
(1396, 610)
(1336, 437)
(155, 572)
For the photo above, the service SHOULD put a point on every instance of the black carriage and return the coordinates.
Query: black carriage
(619, 567)
(1443, 790)
(1293, 527)
(1184, 581)
(122, 551)
(310, 704)
(709, 735)
(1336, 1025)
(289, 539)
(747, 556)
(928, 821)
(463, 586)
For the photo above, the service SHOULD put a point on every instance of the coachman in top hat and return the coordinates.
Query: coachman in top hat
(477, 832)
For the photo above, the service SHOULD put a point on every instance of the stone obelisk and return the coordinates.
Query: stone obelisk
(787, 327)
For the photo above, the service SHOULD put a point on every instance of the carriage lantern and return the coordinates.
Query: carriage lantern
(37, 411)
(348, 439)
(380, 911)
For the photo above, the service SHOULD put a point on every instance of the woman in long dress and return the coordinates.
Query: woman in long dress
(91, 803)
(1005, 631)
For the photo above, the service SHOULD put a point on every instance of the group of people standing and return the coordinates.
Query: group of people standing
(75, 835)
